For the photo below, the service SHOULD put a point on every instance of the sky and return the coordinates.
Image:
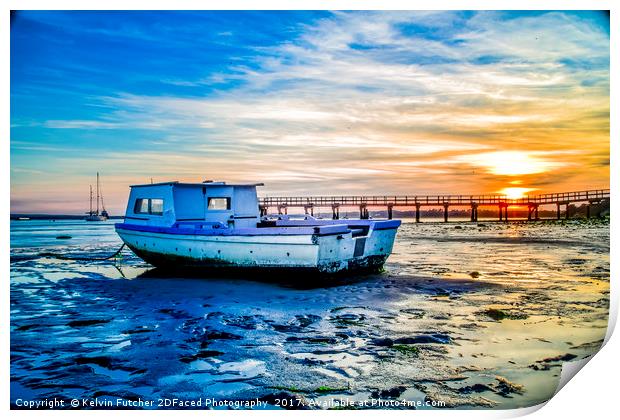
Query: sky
(309, 103)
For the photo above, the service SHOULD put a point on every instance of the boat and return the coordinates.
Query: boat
(214, 226)
(95, 215)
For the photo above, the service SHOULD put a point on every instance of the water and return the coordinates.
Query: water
(468, 315)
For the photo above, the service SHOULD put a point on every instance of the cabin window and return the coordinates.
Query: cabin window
(154, 206)
(157, 206)
(218, 203)
(141, 206)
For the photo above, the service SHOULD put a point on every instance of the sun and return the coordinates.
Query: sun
(514, 193)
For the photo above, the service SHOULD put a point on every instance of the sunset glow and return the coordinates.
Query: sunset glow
(514, 163)
(310, 103)
(514, 193)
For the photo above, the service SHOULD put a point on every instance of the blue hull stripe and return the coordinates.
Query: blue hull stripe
(330, 229)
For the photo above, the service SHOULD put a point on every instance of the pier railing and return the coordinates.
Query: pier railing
(589, 197)
(437, 200)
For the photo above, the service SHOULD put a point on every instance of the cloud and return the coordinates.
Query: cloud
(376, 101)
(80, 124)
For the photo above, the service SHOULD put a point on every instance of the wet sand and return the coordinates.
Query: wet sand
(472, 315)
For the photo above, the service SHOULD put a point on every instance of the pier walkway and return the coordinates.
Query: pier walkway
(389, 202)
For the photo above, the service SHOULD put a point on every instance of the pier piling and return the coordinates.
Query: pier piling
(417, 213)
(474, 212)
(503, 212)
(335, 211)
(364, 212)
(445, 212)
(532, 212)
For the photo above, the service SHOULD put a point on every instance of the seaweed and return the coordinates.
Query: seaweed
(498, 314)
(328, 389)
(407, 350)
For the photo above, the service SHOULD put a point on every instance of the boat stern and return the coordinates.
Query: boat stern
(365, 248)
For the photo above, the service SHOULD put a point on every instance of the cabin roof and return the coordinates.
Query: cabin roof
(198, 184)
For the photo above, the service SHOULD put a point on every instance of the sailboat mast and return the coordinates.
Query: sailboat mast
(91, 201)
(97, 193)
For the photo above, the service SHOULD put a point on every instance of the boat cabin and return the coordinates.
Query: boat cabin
(207, 204)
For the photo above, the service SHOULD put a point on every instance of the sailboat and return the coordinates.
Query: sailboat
(96, 216)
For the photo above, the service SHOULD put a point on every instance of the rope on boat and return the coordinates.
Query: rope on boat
(65, 257)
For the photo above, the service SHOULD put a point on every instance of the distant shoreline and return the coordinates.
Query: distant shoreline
(575, 211)
(40, 216)
(602, 209)
(429, 218)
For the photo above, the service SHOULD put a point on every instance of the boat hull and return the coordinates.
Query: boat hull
(175, 264)
(319, 253)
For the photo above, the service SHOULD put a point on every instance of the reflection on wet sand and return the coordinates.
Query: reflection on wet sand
(479, 316)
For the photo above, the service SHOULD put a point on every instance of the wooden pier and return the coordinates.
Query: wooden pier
(389, 202)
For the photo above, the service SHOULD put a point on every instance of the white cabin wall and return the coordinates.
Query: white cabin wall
(151, 191)
(189, 203)
(216, 191)
(245, 206)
